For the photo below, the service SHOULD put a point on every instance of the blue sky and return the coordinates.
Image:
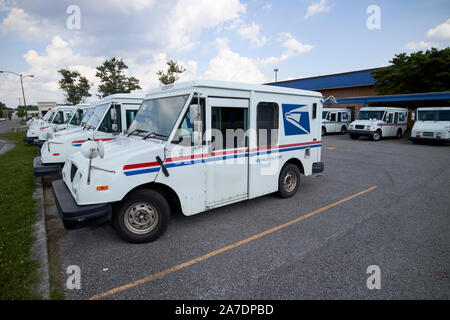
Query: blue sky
(233, 40)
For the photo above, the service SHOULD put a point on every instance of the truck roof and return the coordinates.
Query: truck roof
(233, 86)
(433, 108)
(128, 97)
(382, 108)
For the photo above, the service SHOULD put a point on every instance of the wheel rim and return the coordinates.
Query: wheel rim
(343, 130)
(290, 181)
(376, 136)
(141, 218)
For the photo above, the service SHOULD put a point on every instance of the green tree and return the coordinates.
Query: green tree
(172, 73)
(418, 72)
(21, 113)
(113, 79)
(75, 86)
(1, 113)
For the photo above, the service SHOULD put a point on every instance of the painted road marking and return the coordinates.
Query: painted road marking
(340, 149)
(224, 249)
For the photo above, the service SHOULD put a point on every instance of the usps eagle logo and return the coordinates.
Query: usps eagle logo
(296, 120)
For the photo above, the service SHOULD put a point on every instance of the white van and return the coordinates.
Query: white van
(72, 122)
(432, 125)
(335, 120)
(379, 122)
(111, 116)
(40, 124)
(199, 145)
(58, 116)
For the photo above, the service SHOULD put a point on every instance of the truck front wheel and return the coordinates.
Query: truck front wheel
(289, 180)
(142, 216)
(377, 135)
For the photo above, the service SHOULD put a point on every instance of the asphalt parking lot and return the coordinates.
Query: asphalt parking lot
(378, 203)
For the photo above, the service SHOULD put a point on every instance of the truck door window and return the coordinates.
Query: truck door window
(59, 119)
(183, 135)
(333, 117)
(226, 118)
(267, 123)
(106, 125)
(129, 115)
(396, 118)
(339, 116)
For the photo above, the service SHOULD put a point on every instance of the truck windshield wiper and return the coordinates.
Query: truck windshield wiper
(136, 130)
(154, 134)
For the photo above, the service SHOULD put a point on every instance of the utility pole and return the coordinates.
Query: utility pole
(21, 76)
(276, 74)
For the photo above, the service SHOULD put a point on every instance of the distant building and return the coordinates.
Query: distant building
(44, 107)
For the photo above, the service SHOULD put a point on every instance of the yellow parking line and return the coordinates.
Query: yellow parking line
(224, 249)
(341, 149)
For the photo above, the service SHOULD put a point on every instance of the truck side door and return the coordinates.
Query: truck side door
(226, 159)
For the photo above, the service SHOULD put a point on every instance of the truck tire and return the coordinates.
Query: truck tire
(142, 216)
(343, 130)
(399, 133)
(324, 131)
(354, 136)
(289, 180)
(377, 135)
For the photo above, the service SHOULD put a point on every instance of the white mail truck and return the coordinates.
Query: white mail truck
(74, 121)
(111, 116)
(432, 125)
(379, 122)
(197, 146)
(335, 120)
(39, 124)
(60, 116)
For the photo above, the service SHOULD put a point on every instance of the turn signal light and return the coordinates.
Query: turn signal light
(102, 188)
(56, 154)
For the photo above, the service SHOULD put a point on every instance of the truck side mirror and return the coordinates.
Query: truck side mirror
(113, 114)
(194, 113)
(114, 127)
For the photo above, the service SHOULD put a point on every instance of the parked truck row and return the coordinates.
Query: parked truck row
(132, 159)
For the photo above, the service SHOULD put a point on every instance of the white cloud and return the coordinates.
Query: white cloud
(251, 32)
(316, 8)
(292, 47)
(230, 66)
(441, 32)
(267, 6)
(420, 45)
(5, 5)
(190, 17)
(131, 5)
(26, 26)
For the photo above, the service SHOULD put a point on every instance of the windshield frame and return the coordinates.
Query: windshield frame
(188, 93)
(382, 116)
(436, 112)
(108, 105)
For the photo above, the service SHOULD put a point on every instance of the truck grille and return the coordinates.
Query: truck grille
(359, 127)
(428, 134)
(73, 171)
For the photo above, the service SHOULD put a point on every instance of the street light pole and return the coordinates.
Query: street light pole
(276, 73)
(21, 76)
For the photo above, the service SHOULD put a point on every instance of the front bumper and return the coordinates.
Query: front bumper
(318, 167)
(429, 140)
(42, 170)
(29, 139)
(38, 143)
(74, 216)
(361, 132)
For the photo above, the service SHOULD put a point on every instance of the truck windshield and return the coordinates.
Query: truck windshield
(86, 116)
(367, 115)
(59, 118)
(51, 117)
(434, 115)
(324, 114)
(94, 120)
(158, 116)
(76, 117)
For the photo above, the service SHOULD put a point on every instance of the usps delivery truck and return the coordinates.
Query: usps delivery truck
(432, 125)
(77, 115)
(111, 116)
(59, 116)
(41, 124)
(379, 122)
(197, 145)
(73, 122)
(335, 120)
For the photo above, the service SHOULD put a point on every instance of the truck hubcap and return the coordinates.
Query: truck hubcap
(141, 218)
(290, 181)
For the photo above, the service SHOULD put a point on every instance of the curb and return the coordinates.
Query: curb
(39, 250)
